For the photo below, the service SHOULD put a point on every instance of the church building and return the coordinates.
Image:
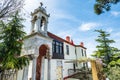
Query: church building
(49, 52)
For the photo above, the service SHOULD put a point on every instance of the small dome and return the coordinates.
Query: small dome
(42, 9)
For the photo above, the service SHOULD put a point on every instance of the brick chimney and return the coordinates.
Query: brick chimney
(68, 38)
(82, 44)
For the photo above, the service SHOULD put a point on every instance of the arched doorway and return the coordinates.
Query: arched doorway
(42, 53)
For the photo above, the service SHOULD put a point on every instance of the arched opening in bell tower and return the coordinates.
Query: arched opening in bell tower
(43, 51)
(43, 23)
(34, 24)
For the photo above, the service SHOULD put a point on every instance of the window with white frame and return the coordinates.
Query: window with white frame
(67, 49)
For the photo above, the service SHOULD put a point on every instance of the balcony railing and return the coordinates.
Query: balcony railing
(82, 74)
(73, 71)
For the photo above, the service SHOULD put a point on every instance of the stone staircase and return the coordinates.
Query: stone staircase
(80, 76)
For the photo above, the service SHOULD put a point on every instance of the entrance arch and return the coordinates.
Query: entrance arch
(43, 50)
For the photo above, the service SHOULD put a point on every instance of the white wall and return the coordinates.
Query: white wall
(20, 75)
(66, 66)
(57, 70)
(53, 69)
(32, 44)
(79, 55)
(71, 52)
(79, 52)
(72, 56)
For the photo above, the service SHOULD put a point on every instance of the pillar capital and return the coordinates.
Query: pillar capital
(35, 55)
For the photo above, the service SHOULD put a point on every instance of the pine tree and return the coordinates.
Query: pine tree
(104, 48)
(109, 55)
(11, 44)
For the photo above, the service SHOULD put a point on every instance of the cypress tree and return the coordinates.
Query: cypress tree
(11, 37)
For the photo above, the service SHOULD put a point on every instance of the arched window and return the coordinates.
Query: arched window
(34, 24)
(42, 25)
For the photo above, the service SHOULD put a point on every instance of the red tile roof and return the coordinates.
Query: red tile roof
(55, 37)
(62, 40)
(80, 46)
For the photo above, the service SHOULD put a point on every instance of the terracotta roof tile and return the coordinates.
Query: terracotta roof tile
(63, 40)
(58, 38)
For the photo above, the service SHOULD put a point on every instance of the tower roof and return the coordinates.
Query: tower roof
(40, 9)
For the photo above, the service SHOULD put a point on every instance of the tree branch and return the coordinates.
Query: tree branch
(9, 7)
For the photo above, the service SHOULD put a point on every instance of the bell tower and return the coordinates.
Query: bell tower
(39, 20)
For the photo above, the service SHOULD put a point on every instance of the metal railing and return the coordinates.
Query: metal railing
(82, 74)
(73, 71)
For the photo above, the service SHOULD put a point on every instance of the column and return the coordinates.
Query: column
(49, 66)
(38, 24)
(45, 27)
(42, 70)
(25, 73)
(34, 67)
(32, 26)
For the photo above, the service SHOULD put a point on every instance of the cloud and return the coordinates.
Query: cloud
(90, 48)
(33, 4)
(116, 34)
(70, 33)
(115, 13)
(109, 30)
(88, 26)
(117, 41)
(61, 14)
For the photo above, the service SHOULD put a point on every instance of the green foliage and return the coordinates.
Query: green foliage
(97, 9)
(103, 5)
(11, 36)
(97, 54)
(115, 59)
(114, 73)
(104, 48)
(109, 55)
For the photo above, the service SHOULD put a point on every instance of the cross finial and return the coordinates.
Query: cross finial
(41, 4)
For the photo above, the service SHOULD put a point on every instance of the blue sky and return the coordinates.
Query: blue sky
(77, 19)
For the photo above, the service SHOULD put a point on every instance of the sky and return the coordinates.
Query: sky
(76, 18)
